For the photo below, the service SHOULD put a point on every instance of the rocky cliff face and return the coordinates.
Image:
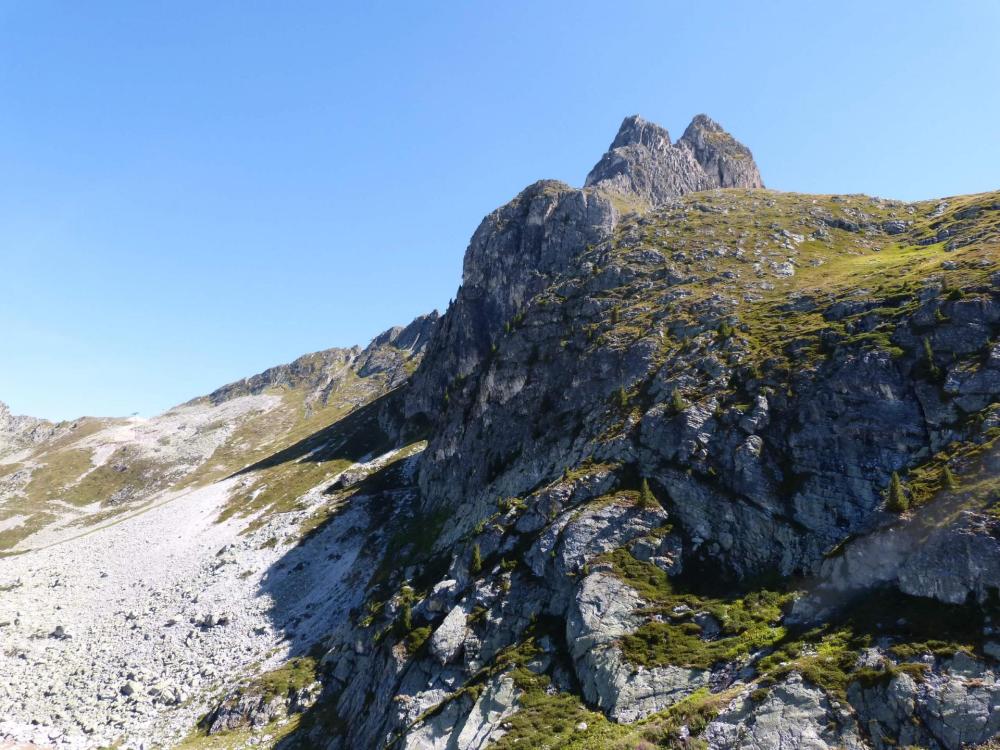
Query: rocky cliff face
(520, 248)
(665, 424)
(687, 463)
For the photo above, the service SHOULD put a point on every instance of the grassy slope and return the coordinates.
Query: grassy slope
(831, 265)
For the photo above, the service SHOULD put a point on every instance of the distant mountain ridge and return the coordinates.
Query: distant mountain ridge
(321, 372)
(121, 463)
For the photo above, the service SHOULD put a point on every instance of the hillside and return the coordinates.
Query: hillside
(687, 463)
(65, 478)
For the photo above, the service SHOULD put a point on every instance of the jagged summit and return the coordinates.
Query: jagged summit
(636, 130)
(720, 155)
(643, 164)
(17, 431)
(521, 246)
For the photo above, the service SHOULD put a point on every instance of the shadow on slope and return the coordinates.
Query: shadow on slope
(321, 582)
(352, 437)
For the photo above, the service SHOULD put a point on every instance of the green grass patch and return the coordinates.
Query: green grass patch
(747, 621)
(292, 676)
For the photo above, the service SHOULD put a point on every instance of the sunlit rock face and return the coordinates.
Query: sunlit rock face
(643, 163)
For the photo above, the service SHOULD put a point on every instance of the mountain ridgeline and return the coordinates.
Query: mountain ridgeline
(687, 463)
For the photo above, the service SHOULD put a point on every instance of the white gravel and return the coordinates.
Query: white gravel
(105, 635)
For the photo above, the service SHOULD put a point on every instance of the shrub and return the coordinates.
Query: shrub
(677, 402)
(929, 356)
(897, 501)
(404, 623)
(622, 398)
(476, 566)
(417, 638)
(948, 479)
(647, 500)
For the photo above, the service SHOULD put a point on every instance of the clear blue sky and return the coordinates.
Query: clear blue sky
(193, 191)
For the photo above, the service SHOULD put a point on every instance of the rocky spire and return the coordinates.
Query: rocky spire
(635, 130)
(642, 163)
(721, 156)
(519, 248)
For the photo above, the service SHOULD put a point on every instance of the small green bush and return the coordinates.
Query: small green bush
(897, 501)
(929, 356)
(404, 623)
(647, 500)
(948, 480)
(417, 638)
(476, 566)
(677, 402)
(622, 398)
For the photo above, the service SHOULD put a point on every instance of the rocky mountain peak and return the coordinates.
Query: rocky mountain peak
(720, 155)
(635, 130)
(643, 164)
(703, 123)
(520, 247)
(20, 431)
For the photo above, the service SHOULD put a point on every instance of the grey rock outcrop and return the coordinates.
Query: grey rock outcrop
(18, 432)
(952, 562)
(956, 707)
(460, 727)
(449, 636)
(643, 163)
(512, 256)
(794, 715)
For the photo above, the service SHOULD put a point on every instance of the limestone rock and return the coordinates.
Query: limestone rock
(644, 164)
(793, 715)
(450, 634)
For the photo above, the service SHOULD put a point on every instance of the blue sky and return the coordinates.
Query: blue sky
(191, 192)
